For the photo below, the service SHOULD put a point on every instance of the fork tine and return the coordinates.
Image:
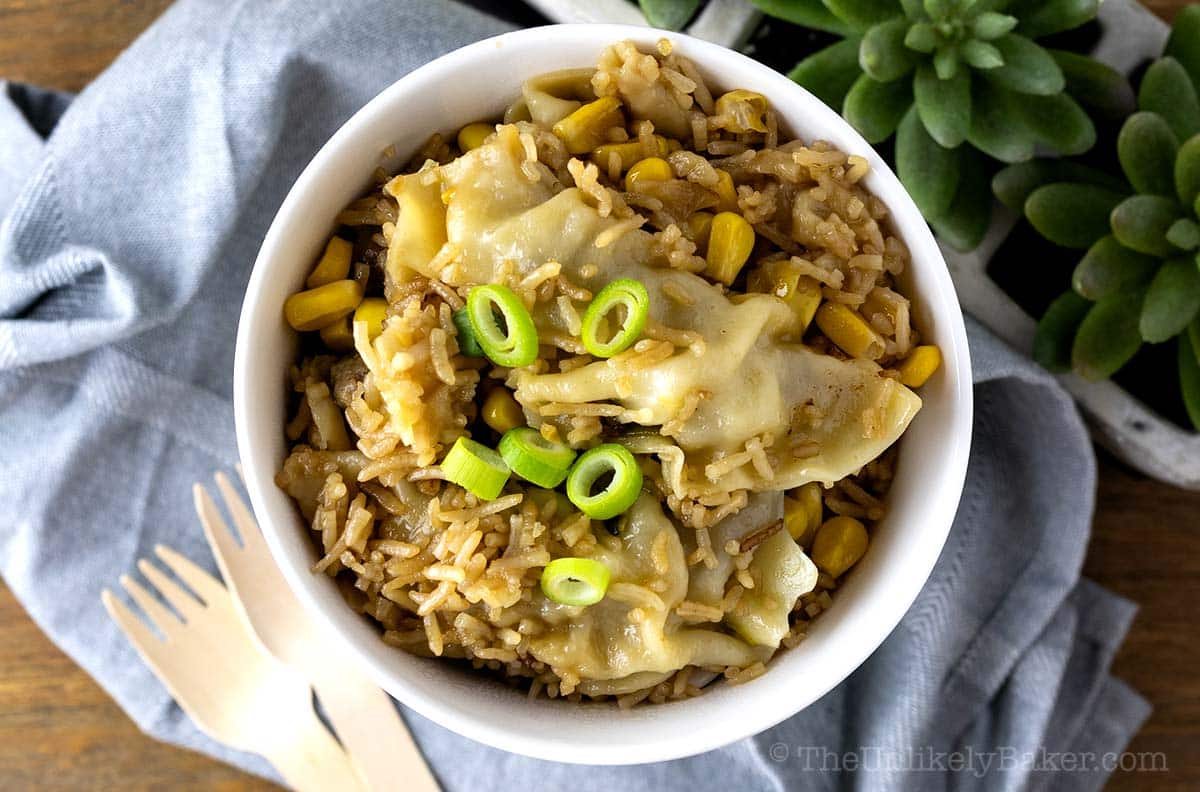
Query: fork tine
(220, 539)
(141, 636)
(183, 602)
(155, 611)
(239, 511)
(210, 515)
(186, 570)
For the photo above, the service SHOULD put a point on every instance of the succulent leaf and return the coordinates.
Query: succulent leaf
(944, 105)
(830, 72)
(1055, 16)
(1108, 336)
(1167, 90)
(1189, 375)
(1056, 331)
(1108, 268)
(806, 13)
(1071, 215)
(1184, 42)
(945, 62)
(669, 14)
(1172, 301)
(939, 8)
(1013, 184)
(1028, 68)
(883, 54)
(965, 223)
(862, 14)
(1184, 234)
(914, 9)
(1057, 121)
(1096, 85)
(992, 129)
(875, 108)
(981, 55)
(992, 25)
(922, 38)
(1140, 223)
(1146, 147)
(1187, 171)
(928, 171)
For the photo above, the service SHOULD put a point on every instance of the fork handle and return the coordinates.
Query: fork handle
(306, 754)
(368, 724)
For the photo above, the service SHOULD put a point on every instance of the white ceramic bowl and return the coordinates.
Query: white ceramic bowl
(476, 82)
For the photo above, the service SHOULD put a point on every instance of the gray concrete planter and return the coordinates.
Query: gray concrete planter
(1120, 422)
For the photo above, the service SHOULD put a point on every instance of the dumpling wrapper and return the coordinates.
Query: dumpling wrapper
(600, 643)
(495, 215)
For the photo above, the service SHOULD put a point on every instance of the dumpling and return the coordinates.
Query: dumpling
(634, 630)
(497, 219)
(551, 97)
(782, 570)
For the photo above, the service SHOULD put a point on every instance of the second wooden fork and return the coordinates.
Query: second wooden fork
(363, 716)
(224, 679)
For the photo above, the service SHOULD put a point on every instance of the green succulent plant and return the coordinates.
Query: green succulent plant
(669, 14)
(1139, 279)
(961, 84)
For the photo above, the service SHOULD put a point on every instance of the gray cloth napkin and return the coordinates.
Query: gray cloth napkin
(127, 237)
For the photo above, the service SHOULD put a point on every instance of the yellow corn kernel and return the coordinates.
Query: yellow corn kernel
(697, 228)
(472, 135)
(726, 192)
(334, 264)
(629, 152)
(501, 411)
(324, 305)
(673, 145)
(920, 365)
(743, 111)
(802, 511)
(372, 310)
(584, 129)
(848, 330)
(730, 242)
(649, 169)
(839, 544)
(339, 336)
(784, 280)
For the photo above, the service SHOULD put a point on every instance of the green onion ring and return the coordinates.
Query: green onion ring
(620, 493)
(467, 344)
(534, 458)
(476, 468)
(624, 292)
(575, 581)
(514, 345)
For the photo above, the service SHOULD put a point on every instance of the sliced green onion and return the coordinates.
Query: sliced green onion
(575, 581)
(515, 343)
(534, 458)
(624, 293)
(618, 495)
(466, 336)
(476, 468)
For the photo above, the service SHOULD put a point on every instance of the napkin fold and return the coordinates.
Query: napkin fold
(131, 216)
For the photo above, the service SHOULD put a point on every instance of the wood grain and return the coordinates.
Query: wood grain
(59, 731)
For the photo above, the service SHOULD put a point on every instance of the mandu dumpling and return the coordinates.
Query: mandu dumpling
(602, 396)
(499, 223)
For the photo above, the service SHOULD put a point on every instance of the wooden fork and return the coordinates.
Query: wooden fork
(225, 680)
(363, 716)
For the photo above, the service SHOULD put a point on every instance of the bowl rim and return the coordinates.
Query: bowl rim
(259, 466)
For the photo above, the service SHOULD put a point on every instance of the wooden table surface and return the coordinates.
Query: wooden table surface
(59, 731)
